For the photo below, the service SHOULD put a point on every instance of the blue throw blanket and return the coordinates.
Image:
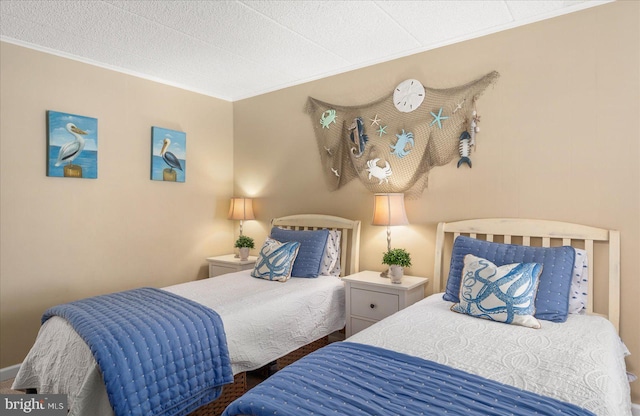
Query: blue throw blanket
(355, 379)
(159, 353)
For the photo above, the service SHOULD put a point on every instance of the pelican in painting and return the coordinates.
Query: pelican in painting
(71, 150)
(169, 157)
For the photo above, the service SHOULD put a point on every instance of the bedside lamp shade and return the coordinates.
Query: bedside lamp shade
(241, 209)
(388, 209)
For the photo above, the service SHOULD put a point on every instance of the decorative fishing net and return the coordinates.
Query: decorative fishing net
(400, 148)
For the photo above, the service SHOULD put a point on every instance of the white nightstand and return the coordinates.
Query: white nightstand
(228, 264)
(371, 298)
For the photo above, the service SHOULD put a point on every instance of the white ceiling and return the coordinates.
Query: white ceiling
(238, 49)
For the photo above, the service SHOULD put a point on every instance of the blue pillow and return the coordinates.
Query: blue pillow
(312, 245)
(552, 300)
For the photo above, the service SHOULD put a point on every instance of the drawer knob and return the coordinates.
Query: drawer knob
(372, 306)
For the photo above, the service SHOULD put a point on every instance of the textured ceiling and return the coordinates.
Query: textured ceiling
(238, 49)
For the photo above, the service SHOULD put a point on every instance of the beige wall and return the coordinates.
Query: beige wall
(64, 239)
(560, 140)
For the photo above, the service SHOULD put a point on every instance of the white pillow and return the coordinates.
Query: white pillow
(330, 264)
(579, 283)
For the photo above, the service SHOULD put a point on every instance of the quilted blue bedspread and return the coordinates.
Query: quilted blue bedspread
(159, 353)
(355, 379)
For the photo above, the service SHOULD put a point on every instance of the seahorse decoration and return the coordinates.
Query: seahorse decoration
(358, 137)
(403, 140)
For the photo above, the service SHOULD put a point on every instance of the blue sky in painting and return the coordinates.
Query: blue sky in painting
(178, 142)
(58, 134)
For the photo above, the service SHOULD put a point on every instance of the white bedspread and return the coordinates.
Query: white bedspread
(263, 321)
(580, 361)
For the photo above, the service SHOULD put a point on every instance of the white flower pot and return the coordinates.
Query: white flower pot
(244, 253)
(395, 273)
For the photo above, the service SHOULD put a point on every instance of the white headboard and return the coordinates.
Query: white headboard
(568, 233)
(350, 240)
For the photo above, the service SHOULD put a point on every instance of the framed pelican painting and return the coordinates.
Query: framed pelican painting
(72, 145)
(168, 155)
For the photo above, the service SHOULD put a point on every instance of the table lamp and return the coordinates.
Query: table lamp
(388, 209)
(241, 209)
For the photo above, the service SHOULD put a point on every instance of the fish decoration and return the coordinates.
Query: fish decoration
(403, 140)
(327, 118)
(358, 137)
(463, 148)
(328, 150)
(335, 172)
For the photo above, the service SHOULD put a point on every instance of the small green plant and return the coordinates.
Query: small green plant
(397, 256)
(244, 241)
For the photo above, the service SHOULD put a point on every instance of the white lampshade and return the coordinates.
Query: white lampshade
(241, 209)
(388, 209)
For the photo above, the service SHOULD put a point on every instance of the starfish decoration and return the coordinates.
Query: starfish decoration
(438, 118)
(382, 130)
(459, 106)
(375, 120)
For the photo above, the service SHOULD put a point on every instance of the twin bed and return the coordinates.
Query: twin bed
(427, 359)
(424, 359)
(264, 321)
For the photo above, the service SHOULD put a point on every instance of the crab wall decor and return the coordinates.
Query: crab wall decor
(377, 172)
(403, 139)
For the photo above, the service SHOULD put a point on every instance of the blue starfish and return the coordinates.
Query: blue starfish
(382, 130)
(438, 118)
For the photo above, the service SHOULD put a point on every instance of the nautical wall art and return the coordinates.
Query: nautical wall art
(72, 145)
(168, 155)
(392, 143)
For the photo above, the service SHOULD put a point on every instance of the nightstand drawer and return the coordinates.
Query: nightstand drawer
(373, 305)
(358, 325)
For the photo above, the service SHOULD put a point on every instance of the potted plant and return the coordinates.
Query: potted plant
(244, 243)
(397, 259)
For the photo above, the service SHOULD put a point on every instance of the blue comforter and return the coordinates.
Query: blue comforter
(159, 353)
(356, 379)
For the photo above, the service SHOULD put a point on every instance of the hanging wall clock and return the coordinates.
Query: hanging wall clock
(408, 95)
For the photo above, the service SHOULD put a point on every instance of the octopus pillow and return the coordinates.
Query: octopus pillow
(275, 260)
(502, 294)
